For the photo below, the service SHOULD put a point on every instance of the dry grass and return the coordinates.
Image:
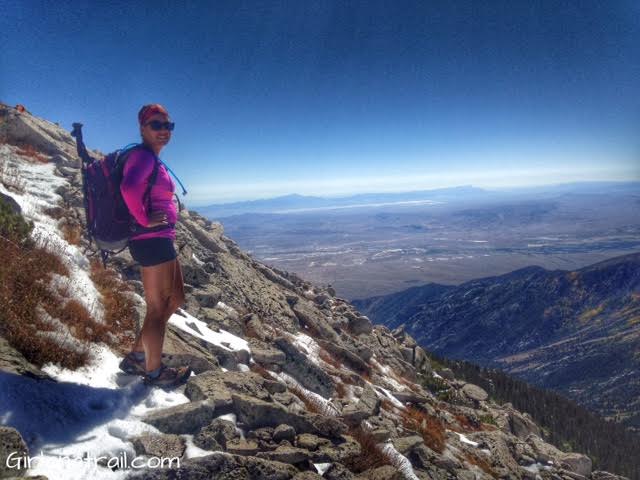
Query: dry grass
(481, 463)
(260, 370)
(409, 384)
(371, 455)
(72, 233)
(119, 309)
(429, 427)
(467, 424)
(31, 152)
(388, 405)
(24, 288)
(327, 358)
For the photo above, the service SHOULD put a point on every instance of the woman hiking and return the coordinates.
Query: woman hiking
(152, 247)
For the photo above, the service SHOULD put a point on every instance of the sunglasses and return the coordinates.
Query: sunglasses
(158, 125)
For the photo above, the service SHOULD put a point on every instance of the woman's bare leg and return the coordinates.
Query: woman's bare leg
(158, 282)
(176, 300)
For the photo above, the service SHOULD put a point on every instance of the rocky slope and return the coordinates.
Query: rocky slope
(575, 332)
(321, 392)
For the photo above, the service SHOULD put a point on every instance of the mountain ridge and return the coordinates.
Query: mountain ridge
(533, 322)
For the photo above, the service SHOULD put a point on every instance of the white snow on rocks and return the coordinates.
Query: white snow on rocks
(198, 328)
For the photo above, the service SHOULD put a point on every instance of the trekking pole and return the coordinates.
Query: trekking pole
(85, 160)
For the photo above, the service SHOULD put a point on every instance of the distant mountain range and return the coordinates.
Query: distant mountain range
(577, 332)
(294, 203)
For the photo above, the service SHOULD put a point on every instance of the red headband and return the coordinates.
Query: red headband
(148, 111)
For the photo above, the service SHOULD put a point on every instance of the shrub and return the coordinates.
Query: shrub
(429, 427)
(370, 456)
(119, 308)
(24, 289)
(12, 225)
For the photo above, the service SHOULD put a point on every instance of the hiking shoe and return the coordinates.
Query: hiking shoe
(130, 365)
(169, 377)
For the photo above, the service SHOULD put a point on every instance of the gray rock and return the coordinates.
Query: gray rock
(578, 463)
(222, 466)
(337, 471)
(337, 451)
(315, 322)
(159, 445)
(404, 444)
(268, 356)
(306, 372)
(387, 472)
(185, 418)
(209, 297)
(521, 425)
(284, 432)
(368, 404)
(286, 454)
(360, 324)
(255, 413)
(195, 275)
(216, 435)
(474, 392)
(307, 476)
(409, 396)
(244, 447)
(274, 277)
(11, 360)
(310, 441)
(11, 442)
(218, 386)
(421, 361)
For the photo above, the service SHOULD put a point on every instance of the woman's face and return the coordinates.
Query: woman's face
(156, 139)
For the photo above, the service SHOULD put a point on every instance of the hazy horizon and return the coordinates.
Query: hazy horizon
(496, 188)
(336, 98)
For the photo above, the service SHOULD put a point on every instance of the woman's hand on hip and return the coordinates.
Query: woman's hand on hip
(157, 219)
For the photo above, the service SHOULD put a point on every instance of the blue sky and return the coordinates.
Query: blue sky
(338, 97)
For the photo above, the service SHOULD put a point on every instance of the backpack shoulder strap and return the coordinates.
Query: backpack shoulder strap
(152, 180)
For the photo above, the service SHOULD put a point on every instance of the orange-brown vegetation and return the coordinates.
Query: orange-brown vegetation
(119, 311)
(31, 152)
(467, 424)
(370, 456)
(72, 233)
(328, 358)
(484, 465)
(24, 288)
(260, 370)
(429, 427)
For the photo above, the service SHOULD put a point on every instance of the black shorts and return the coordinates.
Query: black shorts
(152, 251)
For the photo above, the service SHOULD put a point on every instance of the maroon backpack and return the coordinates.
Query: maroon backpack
(109, 222)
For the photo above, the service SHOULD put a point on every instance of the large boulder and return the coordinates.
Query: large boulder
(304, 370)
(255, 413)
(159, 445)
(187, 418)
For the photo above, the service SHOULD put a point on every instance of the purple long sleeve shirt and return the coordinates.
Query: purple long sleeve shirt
(136, 174)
